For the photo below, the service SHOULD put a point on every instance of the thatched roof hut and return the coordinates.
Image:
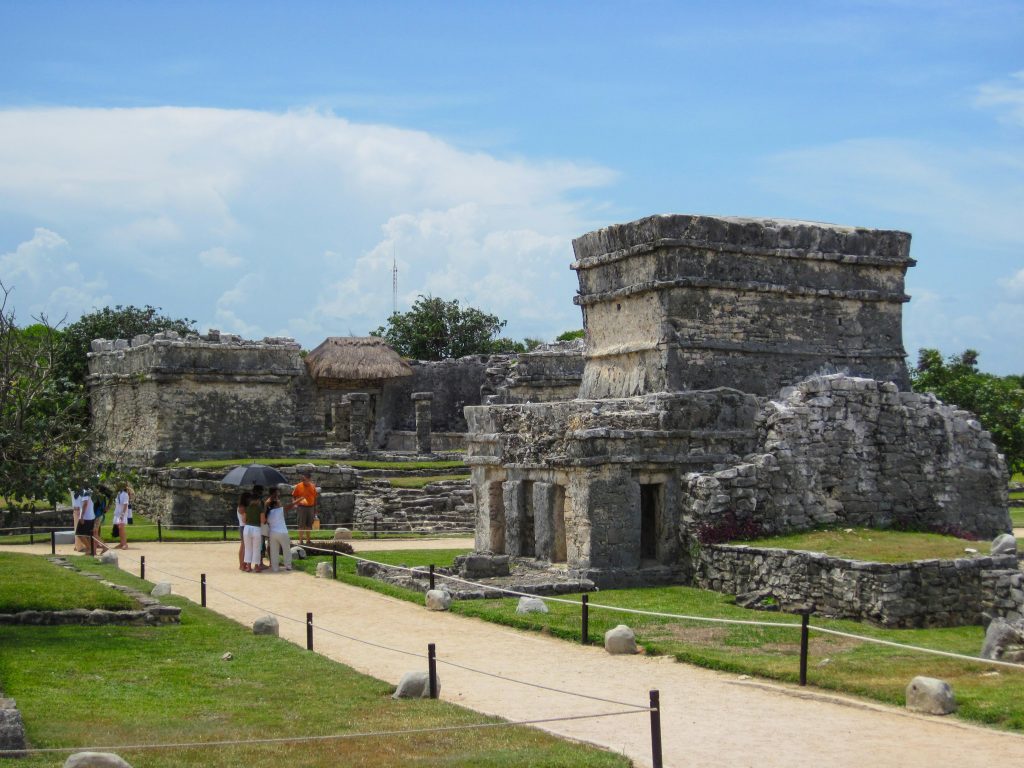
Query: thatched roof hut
(360, 358)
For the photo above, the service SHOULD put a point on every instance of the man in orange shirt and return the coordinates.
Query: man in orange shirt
(304, 495)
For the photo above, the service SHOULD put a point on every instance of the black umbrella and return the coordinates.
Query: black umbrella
(254, 474)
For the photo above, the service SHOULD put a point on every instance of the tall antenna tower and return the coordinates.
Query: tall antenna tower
(394, 282)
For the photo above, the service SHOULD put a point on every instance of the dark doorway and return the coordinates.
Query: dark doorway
(558, 549)
(526, 529)
(650, 517)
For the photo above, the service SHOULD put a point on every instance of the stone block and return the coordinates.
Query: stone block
(930, 696)
(415, 685)
(1004, 544)
(620, 640)
(266, 625)
(96, 760)
(437, 600)
(161, 589)
(324, 571)
(531, 605)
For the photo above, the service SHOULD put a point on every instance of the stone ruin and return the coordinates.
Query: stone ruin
(161, 397)
(740, 374)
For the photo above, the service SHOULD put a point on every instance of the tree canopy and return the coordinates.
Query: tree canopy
(43, 439)
(997, 401)
(435, 329)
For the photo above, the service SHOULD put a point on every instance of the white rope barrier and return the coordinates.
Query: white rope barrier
(303, 739)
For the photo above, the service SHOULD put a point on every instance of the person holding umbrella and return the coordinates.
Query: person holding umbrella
(252, 536)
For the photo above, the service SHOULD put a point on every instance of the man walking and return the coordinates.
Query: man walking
(304, 497)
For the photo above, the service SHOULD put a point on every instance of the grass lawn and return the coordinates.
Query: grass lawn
(874, 545)
(32, 583)
(985, 694)
(168, 684)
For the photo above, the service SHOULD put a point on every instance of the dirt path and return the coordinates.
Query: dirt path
(708, 718)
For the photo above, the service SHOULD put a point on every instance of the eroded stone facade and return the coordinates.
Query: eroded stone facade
(735, 369)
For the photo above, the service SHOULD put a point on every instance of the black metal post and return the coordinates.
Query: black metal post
(334, 563)
(32, 530)
(142, 567)
(432, 668)
(585, 630)
(375, 527)
(225, 531)
(53, 542)
(92, 545)
(309, 631)
(202, 589)
(656, 729)
(804, 617)
(431, 575)
(160, 530)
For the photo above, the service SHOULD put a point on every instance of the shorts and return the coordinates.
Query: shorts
(306, 517)
(85, 527)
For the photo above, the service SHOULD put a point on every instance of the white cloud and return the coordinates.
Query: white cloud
(1014, 286)
(1006, 96)
(55, 286)
(317, 204)
(219, 258)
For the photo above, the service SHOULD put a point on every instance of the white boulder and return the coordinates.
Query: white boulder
(96, 760)
(930, 696)
(531, 605)
(162, 589)
(620, 640)
(438, 600)
(324, 571)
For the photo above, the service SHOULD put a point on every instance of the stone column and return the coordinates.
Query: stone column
(543, 520)
(360, 425)
(422, 402)
(515, 509)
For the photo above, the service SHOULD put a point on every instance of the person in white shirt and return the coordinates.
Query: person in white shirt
(76, 514)
(279, 541)
(86, 523)
(121, 515)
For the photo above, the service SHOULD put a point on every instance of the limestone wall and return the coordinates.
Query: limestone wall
(838, 450)
(455, 384)
(162, 398)
(697, 302)
(926, 593)
(183, 496)
(550, 373)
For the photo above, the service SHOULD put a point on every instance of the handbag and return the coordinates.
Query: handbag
(316, 522)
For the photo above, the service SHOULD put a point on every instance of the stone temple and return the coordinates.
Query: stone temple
(739, 373)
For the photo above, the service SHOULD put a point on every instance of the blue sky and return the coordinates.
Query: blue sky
(257, 166)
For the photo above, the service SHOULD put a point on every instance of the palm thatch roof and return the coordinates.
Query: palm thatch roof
(366, 358)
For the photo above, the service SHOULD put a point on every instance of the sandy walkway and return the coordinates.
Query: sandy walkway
(708, 718)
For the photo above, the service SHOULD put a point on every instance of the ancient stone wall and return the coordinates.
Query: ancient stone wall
(455, 384)
(838, 450)
(926, 593)
(163, 397)
(549, 373)
(194, 497)
(696, 302)
(435, 508)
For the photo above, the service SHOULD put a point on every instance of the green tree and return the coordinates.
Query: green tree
(111, 323)
(435, 329)
(997, 401)
(571, 335)
(44, 445)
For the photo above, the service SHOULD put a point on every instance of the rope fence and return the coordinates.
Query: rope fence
(685, 617)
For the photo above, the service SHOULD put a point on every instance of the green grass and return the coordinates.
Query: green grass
(420, 482)
(839, 664)
(1017, 516)
(29, 583)
(169, 684)
(281, 462)
(874, 545)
